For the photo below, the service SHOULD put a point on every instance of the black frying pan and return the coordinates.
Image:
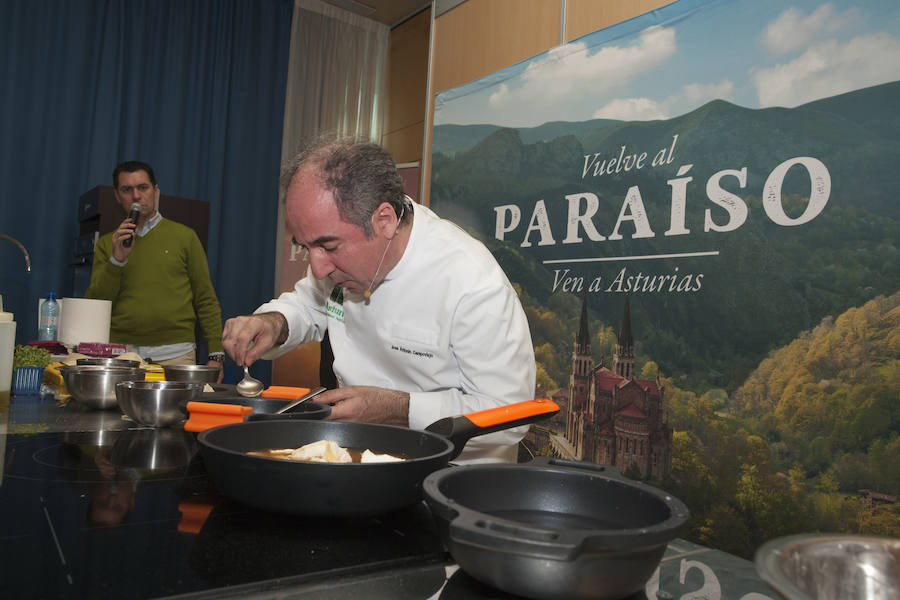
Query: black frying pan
(552, 528)
(309, 488)
(267, 408)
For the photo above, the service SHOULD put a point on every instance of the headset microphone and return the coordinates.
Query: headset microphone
(133, 215)
(368, 293)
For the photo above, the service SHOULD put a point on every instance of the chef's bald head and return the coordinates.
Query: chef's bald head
(360, 175)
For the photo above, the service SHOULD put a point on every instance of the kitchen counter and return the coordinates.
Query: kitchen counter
(94, 506)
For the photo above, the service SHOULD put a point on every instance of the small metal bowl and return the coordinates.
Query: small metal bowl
(156, 403)
(191, 373)
(95, 385)
(109, 362)
(831, 567)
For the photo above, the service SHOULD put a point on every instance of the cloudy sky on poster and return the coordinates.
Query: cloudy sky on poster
(799, 51)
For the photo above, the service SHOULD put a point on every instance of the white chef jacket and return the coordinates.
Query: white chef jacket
(445, 326)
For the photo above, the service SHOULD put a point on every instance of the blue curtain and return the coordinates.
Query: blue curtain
(194, 87)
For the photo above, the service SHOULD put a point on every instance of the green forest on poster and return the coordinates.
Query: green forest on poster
(745, 202)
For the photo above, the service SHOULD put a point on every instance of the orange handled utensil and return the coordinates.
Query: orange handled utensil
(204, 415)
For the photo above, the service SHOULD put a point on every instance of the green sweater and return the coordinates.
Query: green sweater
(162, 290)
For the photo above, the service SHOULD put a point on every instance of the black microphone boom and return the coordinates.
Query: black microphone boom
(133, 215)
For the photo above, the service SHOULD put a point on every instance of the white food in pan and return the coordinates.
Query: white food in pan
(370, 457)
(322, 451)
(327, 451)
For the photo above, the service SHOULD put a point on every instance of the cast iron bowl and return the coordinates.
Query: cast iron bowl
(109, 362)
(95, 385)
(831, 566)
(553, 529)
(156, 403)
(191, 373)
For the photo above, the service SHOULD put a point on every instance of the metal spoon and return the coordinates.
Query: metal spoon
(248, 386)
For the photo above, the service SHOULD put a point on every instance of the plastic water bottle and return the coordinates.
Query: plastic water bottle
(49, 321)
(7, 346)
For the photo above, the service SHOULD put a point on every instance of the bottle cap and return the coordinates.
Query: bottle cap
(51, 295)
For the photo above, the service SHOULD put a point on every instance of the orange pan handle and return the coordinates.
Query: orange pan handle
(461, 428)
(283, 391)
(204, 415)
(520, 412)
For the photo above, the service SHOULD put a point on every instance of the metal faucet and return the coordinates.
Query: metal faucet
(22, 248)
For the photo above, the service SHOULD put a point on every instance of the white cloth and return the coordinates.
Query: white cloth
(445, 326)
(165, 352)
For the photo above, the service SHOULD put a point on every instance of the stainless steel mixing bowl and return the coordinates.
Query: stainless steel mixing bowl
(156, 403)
(191, 373)
(109, 362)
(95, 385)
(831, 566)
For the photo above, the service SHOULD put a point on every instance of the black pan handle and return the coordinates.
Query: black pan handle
(477, 529)
(610, 471)
(462, 428)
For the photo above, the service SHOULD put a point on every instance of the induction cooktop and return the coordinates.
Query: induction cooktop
(131, 514)
(94, 506)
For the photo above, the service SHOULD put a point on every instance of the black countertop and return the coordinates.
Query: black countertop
(94, 506)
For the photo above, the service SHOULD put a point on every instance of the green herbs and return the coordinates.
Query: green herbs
(31, 356)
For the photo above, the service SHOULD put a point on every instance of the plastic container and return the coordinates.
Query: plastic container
(27, 381)
(7, 346)
(48, 324)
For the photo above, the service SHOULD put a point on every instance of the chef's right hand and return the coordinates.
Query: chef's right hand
(126, 230)
(246, 338)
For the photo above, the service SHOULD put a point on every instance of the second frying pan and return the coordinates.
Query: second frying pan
(310, 488)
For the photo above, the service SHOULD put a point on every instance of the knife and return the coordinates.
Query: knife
(301, 400)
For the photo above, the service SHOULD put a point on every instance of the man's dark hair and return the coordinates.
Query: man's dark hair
(361, 175)
(132, 166)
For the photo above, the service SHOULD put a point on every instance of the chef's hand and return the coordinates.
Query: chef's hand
(246, 338)
(127, 229)
(364, 404)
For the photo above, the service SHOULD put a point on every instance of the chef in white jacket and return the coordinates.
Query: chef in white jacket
(423, 322)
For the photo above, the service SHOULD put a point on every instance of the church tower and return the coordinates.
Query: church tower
(581, 353)
(613, 418)
(623, 361)
(580, 380)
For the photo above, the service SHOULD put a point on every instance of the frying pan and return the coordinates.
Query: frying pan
(268, 408)
(347, 489)
(552, 528)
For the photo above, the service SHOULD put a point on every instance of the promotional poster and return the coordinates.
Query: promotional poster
(698, 207)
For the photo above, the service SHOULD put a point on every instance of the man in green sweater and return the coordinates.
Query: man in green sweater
(156, 275)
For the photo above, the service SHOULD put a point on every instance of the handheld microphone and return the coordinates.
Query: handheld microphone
(133, 215)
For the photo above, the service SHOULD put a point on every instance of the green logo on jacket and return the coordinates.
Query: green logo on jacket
(334, 307)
